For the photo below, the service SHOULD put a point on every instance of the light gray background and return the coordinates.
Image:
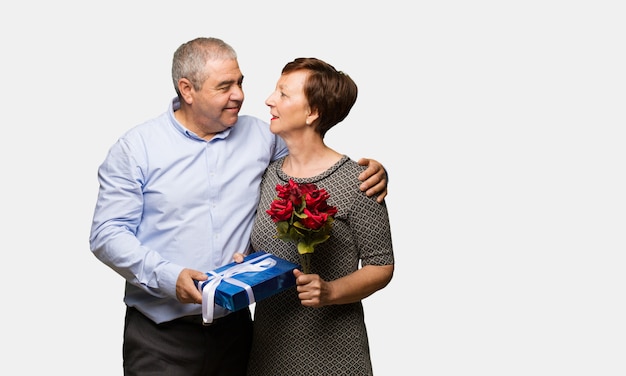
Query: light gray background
(501, 124)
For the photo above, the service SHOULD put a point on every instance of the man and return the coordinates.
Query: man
(177, 198)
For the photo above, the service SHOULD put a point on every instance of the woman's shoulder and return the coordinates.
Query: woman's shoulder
(346, 163)
(344, 173)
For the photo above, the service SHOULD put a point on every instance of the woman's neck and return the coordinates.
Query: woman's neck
(309, 161)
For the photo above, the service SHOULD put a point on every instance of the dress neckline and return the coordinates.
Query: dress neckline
(313, 179)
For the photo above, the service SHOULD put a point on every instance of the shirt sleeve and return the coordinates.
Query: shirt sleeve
(116, 218)
(281, 149)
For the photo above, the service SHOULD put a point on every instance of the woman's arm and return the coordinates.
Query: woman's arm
(315, 292)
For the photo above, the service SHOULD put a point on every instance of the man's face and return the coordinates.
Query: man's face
(216, 105)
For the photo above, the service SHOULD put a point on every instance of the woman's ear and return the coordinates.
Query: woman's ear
(311, 117)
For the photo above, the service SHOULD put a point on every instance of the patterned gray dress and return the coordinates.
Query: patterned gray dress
(290, 339)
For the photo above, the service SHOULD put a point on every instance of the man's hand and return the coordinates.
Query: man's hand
(374, 179)
(186, 289)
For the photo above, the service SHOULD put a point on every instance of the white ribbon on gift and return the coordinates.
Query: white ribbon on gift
(208, 287)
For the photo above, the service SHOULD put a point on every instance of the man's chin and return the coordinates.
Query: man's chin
(229, 121)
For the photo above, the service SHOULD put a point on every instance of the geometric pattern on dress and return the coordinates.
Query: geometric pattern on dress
(290, 339)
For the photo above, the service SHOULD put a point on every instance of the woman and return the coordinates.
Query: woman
(318, 328)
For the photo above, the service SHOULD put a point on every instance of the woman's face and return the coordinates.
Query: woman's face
(288, 105)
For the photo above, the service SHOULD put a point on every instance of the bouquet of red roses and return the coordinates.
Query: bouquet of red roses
(303, 216)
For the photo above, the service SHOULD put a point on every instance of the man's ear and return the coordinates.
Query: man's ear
(186, 88)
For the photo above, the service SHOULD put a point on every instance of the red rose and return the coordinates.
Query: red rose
(280, 210)
(314, 221)
(316, 202)
(308, 188)
(290, 192)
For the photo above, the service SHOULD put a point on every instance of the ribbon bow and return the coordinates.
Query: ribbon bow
(208, 287)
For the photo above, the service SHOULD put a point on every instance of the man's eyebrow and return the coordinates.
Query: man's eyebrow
(230, 82)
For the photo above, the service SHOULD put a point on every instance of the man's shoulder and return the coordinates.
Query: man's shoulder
(251, 127)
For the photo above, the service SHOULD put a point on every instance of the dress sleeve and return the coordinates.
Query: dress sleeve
(372, 230)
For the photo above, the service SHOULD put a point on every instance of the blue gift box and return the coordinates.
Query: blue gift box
(237, 285)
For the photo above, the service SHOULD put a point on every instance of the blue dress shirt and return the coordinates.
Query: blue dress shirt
(170, 200)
